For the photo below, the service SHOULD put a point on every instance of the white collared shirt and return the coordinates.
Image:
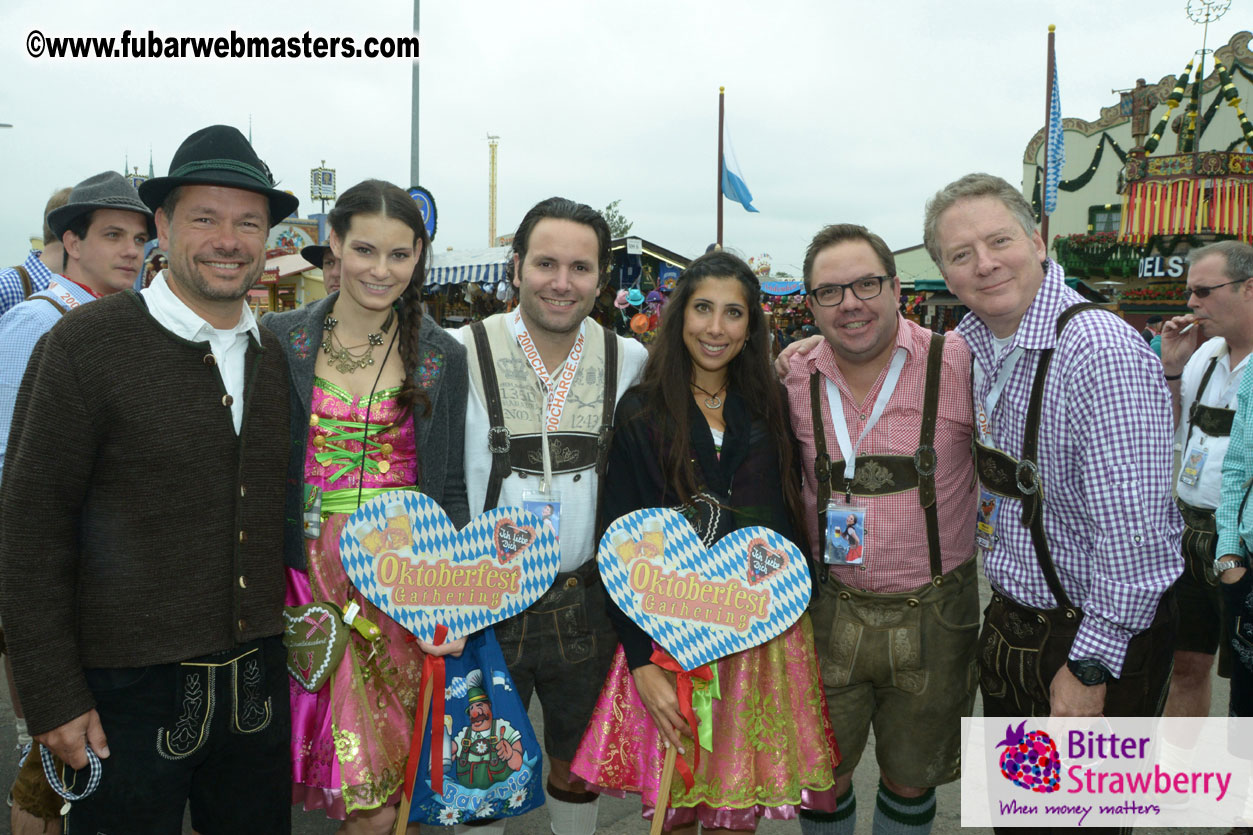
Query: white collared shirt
(1220, 392)
(229, 345)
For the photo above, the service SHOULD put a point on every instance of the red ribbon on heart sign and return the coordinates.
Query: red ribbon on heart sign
(665, 661)
(433, 679)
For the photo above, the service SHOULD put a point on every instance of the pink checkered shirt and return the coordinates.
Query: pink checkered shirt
(896, 537)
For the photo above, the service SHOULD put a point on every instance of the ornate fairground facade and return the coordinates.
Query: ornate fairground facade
(1167, 168)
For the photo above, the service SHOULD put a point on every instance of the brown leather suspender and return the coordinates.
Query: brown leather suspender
(64, 310)
(1213, 420)
(1020, 479)
(27, 287)
(891, 473)
(497, 434)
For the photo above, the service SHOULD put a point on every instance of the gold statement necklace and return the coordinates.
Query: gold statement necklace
(341, 357)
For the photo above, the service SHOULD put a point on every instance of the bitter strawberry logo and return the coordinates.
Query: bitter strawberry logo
(1030, 759)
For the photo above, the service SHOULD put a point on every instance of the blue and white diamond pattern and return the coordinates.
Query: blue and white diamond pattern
(693, 642)
(435, 538)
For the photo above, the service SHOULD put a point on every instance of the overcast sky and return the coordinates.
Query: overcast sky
(838, 111)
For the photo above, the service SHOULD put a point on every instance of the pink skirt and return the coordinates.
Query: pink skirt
(350, 740)
(773, 746)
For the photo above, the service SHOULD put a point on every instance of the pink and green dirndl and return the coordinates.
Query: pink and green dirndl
(350, 739)
(773, 747)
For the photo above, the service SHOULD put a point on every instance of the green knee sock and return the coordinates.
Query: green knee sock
(896, 815)
(840, 822)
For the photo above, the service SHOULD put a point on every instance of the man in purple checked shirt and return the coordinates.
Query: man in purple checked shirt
(1074, 453)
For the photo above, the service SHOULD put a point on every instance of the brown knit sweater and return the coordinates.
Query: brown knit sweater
(138, 528)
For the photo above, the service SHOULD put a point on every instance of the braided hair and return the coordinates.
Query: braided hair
(378, 197)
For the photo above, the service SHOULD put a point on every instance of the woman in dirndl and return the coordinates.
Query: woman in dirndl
(378, 404)
(707, 431)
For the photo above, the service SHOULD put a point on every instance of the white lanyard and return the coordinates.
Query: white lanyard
(880, 404)
(988, 405)
(554, 391)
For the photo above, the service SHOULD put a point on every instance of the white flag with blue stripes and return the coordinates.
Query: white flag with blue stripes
(732, 180)
(1056, 150)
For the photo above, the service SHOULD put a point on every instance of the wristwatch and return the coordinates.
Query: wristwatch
(1089, 671)
(1222, 565)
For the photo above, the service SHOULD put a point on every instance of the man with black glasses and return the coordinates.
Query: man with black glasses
(1203, 368)
(882, 410)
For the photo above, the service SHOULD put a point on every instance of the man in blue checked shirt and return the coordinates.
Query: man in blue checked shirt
(1074, 454)
(1204, 368)
(35, 273)
(103, 226)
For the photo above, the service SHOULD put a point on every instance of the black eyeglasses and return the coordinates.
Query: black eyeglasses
(829, 295)
(1203, 292)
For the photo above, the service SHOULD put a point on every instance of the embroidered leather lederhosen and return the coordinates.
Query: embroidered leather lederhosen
(884, 475)
(1020, 479)
(571, 451)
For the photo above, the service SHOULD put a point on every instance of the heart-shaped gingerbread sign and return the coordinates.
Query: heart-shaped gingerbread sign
(702, 604)
(404, 554)
(512, 539)
(315, 637)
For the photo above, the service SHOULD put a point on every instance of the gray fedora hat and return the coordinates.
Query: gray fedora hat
(106, 190)
(219, 155)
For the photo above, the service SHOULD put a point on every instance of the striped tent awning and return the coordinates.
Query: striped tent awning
(485, 267)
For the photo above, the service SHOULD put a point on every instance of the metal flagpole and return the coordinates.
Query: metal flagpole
(1048, 128)
(721, 111)
(413, 110)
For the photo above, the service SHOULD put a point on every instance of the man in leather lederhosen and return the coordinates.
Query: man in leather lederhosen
(1203, 389)
(1074, 453)
(544, 381)
(1080, 534)
(881, 409)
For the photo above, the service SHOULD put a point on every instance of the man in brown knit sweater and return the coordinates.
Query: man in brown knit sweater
(141, 576)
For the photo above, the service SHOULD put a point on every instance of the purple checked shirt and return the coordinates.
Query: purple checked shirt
(1105, 457)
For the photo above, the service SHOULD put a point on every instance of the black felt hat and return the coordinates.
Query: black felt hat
(219, 155)
(314, 253)
(107, 190)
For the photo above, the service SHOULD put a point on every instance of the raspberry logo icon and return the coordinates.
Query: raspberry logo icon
(1030, 759)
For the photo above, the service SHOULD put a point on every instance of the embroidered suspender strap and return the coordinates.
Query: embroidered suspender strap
(1027, 474)
(1214, 421)
(925, 460)
(54, 303)
(1200, 392)
(497, 434)
(822, 463)
(27, 288)
(608, 402)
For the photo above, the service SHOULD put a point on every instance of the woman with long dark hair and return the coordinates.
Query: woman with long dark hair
(378, 404)
(706, 430)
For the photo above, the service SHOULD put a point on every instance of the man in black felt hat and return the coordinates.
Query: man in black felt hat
(321, 257)
(143, 602)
